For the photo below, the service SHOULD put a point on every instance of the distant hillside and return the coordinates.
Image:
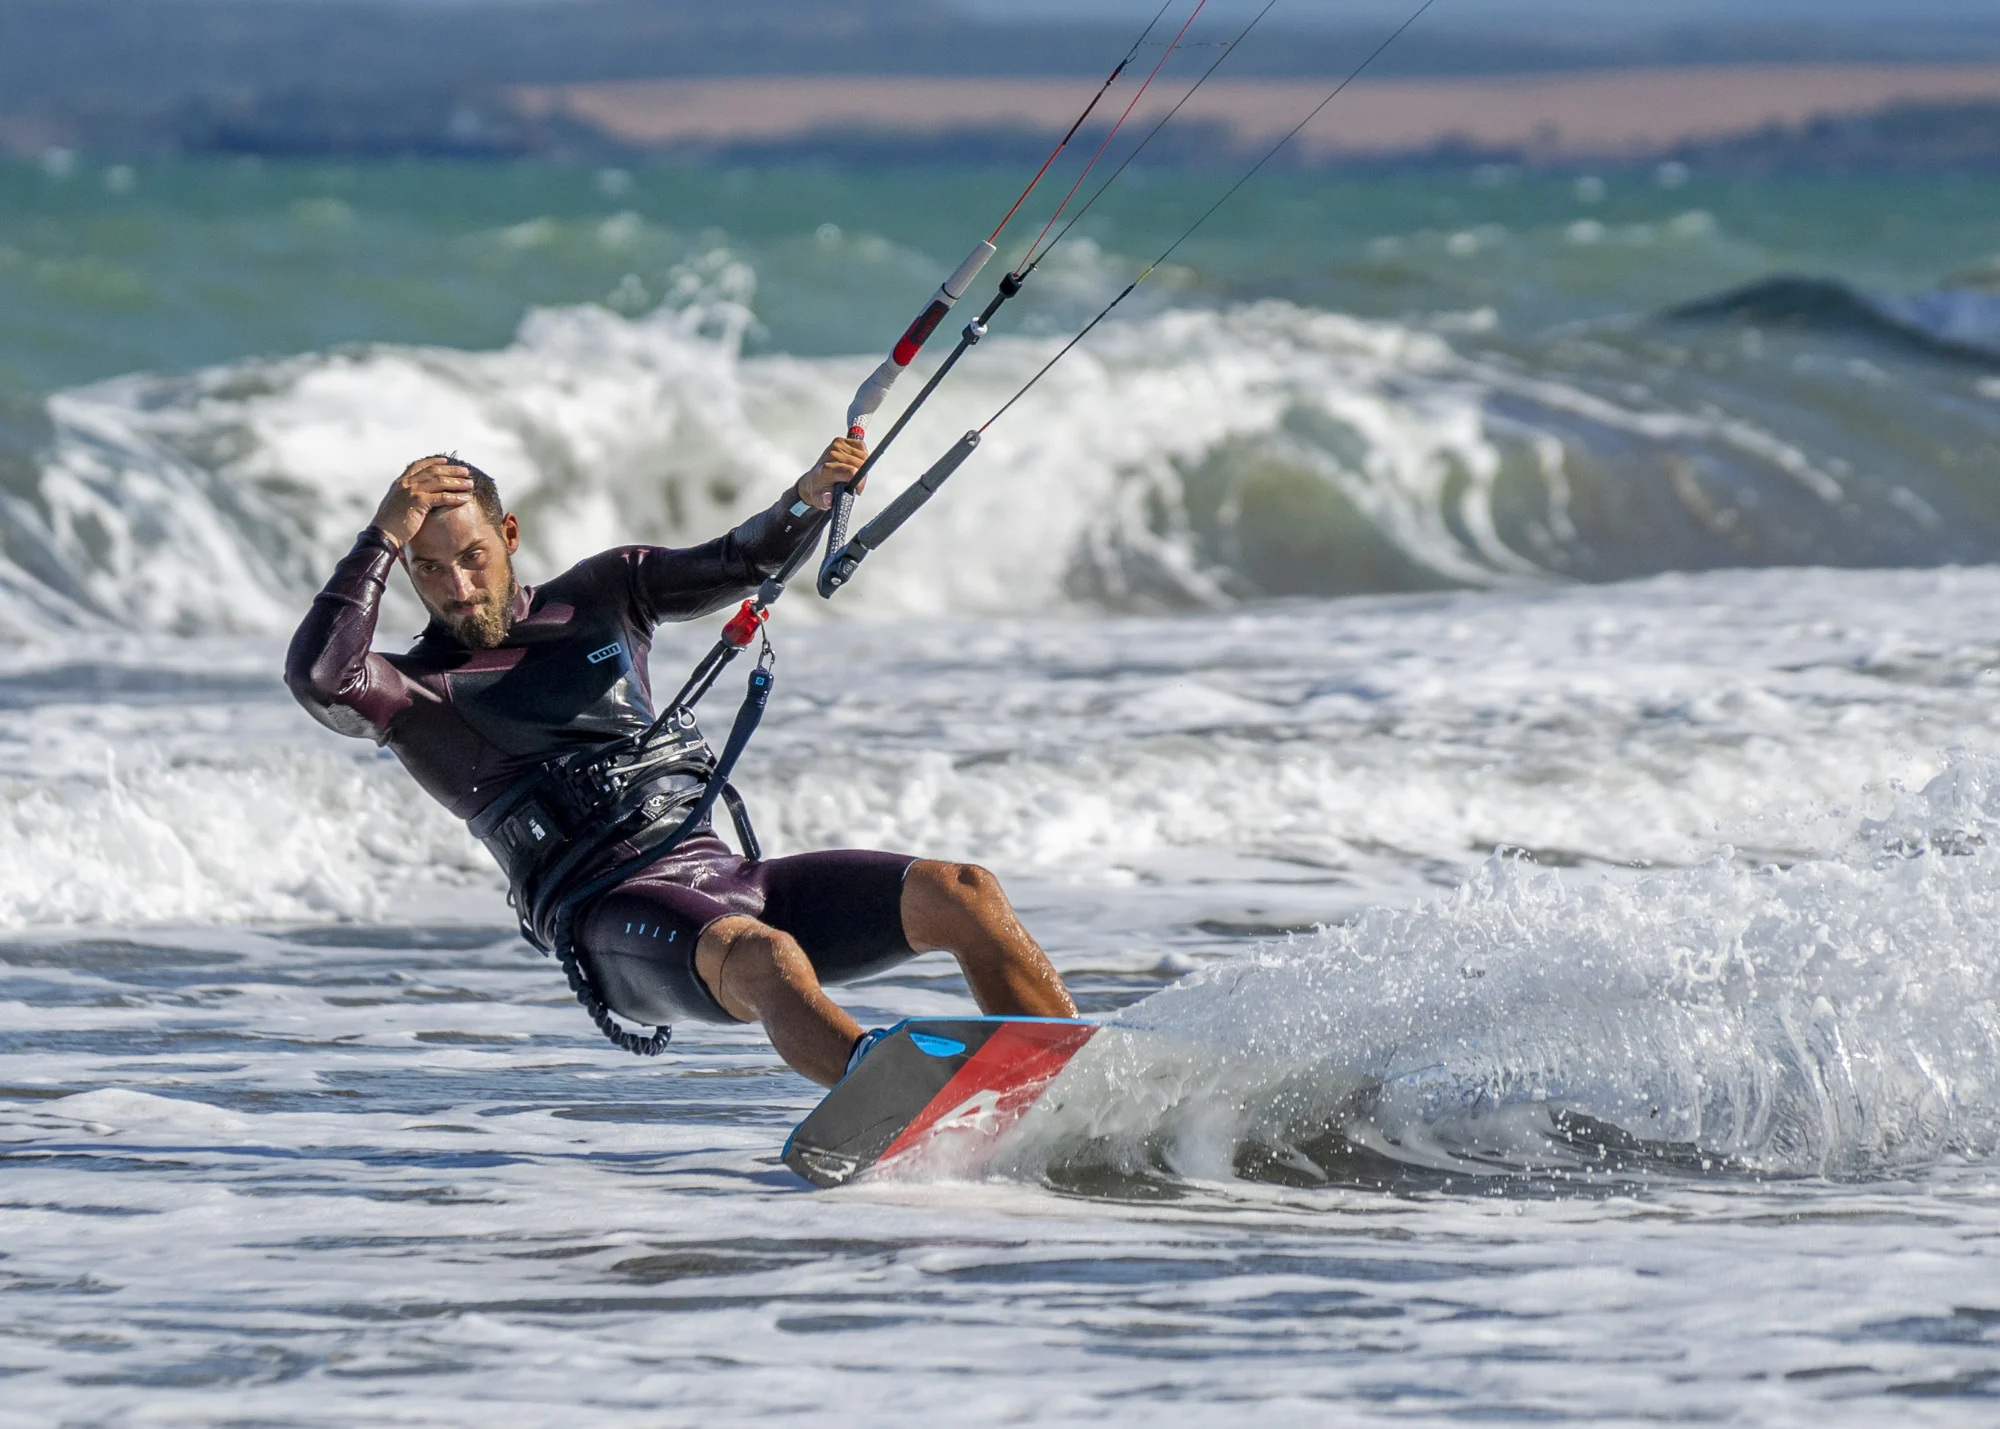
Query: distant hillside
(1929, 138)
(386, 77)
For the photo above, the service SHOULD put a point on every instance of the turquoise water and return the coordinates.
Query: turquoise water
(171, 265)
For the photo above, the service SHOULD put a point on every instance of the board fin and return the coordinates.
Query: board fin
(931, 1081)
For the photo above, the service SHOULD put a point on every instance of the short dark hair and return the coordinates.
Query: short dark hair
(485, 495)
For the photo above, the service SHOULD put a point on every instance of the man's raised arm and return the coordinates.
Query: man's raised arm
(329, 668)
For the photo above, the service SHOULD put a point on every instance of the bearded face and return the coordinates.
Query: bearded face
(482, 622)
(463, 568)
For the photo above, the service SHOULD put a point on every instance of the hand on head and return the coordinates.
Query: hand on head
(436, 483)
(839, 462)
(457, 545)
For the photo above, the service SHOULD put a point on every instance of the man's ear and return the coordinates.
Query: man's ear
(510, 532)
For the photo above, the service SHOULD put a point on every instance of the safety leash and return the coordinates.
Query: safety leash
(748, 715)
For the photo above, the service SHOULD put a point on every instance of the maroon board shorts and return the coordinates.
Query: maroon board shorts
(637, 942)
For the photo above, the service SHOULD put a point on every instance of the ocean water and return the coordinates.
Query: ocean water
(1485, 681)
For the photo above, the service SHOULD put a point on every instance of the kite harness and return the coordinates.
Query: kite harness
(649, 790)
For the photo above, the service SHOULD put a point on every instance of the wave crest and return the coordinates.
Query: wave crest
(1193, 457)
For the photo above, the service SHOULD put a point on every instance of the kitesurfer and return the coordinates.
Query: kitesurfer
(510, 685)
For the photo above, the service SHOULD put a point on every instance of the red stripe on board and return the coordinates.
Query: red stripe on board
(998, 1084)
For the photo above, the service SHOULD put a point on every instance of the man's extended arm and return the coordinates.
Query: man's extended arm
(677, 584)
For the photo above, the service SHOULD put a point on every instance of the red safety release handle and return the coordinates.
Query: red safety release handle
(742, 627)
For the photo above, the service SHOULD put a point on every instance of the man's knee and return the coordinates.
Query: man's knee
(952, 905)
(964, 886)
(745, 963)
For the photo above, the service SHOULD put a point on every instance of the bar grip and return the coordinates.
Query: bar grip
(843, 510)
(869, 396)
(842, 564)
(962, 276)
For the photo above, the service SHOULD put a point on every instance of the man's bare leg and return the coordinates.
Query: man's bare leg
(759, 974)
(961, 909)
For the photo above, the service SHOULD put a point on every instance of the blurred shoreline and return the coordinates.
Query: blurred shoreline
(1603, 114)
(1764, 118)
(934, 81)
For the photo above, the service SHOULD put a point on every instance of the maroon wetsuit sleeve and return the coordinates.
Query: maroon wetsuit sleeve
(329, 667)
(676, 584)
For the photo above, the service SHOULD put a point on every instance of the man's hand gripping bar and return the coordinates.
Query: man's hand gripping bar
(841, 565)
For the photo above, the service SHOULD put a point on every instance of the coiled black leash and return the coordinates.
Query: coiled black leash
(650, 1045)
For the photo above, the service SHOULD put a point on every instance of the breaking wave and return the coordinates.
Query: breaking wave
(1192, 457)
(1960, 324)
(1839, 1017)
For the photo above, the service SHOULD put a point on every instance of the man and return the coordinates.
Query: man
(511, 690)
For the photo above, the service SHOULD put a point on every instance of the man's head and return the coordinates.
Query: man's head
(461, 562)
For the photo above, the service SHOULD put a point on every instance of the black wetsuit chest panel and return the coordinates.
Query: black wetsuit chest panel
(576, 686)
(468, 724)
(571, 674)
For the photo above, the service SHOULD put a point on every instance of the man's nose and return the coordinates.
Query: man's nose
(463, 586)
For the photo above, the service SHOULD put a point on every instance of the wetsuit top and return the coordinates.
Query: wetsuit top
(467, 723)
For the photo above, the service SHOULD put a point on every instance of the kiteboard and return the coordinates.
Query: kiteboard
(933, 1085)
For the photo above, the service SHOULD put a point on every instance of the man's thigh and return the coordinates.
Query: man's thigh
(638, 947)
(639, 942)
(843, 906)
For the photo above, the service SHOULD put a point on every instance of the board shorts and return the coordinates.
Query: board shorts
(637, 942)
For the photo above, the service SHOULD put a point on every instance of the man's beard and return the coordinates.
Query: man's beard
(485, 625)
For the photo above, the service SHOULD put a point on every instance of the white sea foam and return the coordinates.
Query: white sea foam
(1835, 1017)
(257, 834)
(1190, 457)
(150, 780)
(1266, 768)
